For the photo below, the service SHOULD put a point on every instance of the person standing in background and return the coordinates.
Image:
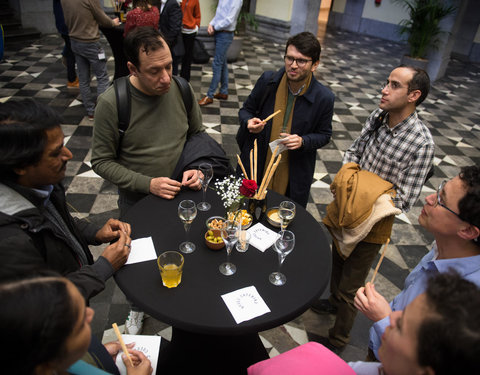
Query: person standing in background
(190, 25)
(83, 18)
(171, 26)
(68, 58)
(222, 27)
(142, 14)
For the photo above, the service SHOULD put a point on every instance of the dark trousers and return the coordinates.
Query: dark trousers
(347, 276)
(70, 59)
(188, 42)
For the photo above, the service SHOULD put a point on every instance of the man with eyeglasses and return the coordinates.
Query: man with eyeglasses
(397, 146)
(452, 215)
(303, 125)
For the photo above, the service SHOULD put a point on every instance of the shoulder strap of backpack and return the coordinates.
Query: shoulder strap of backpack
(122, 95)
(186, 92)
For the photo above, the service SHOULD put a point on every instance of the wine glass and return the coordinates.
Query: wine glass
(205, 174)
(229, 233)
(286, 212)
(187, 211)
(283, 246)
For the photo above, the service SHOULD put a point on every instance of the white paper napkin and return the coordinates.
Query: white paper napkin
(142, 250)
(278, 142)
(245, 304)
(262, 237)
(149, 345)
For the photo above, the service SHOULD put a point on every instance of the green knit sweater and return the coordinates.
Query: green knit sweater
(151, 145)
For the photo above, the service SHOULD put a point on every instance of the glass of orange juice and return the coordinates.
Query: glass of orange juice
(170, 264)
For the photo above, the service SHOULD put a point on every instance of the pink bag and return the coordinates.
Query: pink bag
(308, 359)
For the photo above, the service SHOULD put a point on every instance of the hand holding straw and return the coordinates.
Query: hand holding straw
(272, 115)
(241, 166)
(122, 344)
(380, 261)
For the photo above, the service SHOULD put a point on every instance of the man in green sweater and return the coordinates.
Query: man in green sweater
(158, 129)
(144, 159)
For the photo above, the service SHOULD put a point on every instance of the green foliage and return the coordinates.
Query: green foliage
(422, 28)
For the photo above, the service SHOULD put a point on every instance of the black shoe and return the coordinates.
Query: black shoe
(326, 343)
(323, 306)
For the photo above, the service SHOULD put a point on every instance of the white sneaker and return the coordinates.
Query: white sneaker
(134, 323)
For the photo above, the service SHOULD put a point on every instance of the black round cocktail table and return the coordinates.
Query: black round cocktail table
(204, 331)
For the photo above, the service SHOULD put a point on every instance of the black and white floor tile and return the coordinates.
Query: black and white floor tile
(352, 66)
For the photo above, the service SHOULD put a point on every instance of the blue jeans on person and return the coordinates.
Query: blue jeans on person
(219, 65)
(87, 56)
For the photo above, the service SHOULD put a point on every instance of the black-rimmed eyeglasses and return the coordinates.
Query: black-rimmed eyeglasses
(439, 199)
(300, 62)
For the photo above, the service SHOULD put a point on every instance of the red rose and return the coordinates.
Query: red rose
(248, 188)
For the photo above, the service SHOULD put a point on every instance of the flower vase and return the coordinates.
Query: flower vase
(257, 208)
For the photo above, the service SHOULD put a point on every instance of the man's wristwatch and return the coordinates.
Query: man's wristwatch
(303, 141)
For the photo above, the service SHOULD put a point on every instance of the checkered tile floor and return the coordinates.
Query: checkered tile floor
(352, 66)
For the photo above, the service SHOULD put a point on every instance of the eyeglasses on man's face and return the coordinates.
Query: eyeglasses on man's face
(392, 85)
(439, 201)
(300, 62)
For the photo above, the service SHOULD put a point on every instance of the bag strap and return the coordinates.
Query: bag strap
(184, 87)
(122, 95)
(123, 99)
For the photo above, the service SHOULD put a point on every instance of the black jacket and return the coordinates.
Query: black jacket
(171, 22)
(30, 242)
(312, 120)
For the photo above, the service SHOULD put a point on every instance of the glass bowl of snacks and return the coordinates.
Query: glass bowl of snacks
(244, 216)
(215, 222)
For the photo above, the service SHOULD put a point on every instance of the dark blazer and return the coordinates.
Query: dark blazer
(171, 22)
(312, 120)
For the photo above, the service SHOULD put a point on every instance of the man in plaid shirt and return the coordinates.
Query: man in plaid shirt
(397, 146)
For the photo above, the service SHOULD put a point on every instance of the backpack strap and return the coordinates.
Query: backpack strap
(123, 99)
(122, 95)
(184, 87)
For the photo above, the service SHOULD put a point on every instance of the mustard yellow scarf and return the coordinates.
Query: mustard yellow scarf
(283, 124)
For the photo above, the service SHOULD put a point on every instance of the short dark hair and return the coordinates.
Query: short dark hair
(420, 81)
(144, 38)
(449, 338)
(23, 137)
(469, 205)
(307, 44)
(36, 319)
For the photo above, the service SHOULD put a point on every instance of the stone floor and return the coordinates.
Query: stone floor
(352, 66)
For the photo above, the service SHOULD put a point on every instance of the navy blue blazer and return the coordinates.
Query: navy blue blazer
(312, 120)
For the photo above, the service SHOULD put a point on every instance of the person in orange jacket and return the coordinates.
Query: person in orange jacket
(190, 25)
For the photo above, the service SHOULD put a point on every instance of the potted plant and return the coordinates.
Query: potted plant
(422, 28)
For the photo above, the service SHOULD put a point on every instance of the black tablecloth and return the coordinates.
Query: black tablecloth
(196, 304)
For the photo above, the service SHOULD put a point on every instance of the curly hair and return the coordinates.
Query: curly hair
(469, 205)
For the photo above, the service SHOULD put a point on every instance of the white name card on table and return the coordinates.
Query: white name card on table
(149, 345)
(245, 304)
(261, 237)
(141, 251)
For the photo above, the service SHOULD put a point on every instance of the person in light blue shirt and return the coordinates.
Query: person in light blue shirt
(222, 27)
(452, 215)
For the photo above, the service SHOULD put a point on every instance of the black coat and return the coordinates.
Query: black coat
(171, 22)
(29, 242)
(312, 120)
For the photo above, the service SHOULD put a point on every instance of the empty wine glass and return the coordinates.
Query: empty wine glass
(229, 233)
(205, 174)
(187, 211)
(286, 212)
(283, 246)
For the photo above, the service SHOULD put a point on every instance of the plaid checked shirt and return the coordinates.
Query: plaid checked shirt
(402, 155)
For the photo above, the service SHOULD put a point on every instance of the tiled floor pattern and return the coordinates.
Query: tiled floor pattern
(352, 66)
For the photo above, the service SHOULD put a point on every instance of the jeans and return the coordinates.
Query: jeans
(86, 56)
(219, 65)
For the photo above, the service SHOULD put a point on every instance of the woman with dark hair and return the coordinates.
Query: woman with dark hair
(46, 328)
(142, 14)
